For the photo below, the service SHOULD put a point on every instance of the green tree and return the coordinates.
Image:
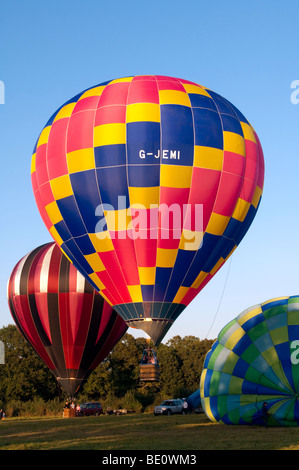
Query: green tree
(190, 352)
(124, 363)
(171, 375)
(24, 376)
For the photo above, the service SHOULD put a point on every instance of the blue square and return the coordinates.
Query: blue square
(71, 216)
(208, 128)
(143, 143)
(177, 133)
(201, 101)
(231, 124)
(87, 195)
(113, 184)
(110, 155)
(143, 176)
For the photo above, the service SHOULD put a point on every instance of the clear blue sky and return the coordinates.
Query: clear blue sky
(245, 51)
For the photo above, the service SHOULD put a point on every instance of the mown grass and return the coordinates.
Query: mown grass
(140, 432)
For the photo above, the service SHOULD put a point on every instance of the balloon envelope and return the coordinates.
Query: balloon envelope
(148, 184)
(70, 326)
(255, 360)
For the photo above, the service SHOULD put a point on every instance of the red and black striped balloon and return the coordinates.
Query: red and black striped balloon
(70, 326)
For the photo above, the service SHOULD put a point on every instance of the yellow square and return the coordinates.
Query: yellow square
(95, 262)
(61, 187)
(65, 111)
(166, 257)
(101, 241)
(174, 97)
(199, 280)
(110, 134)
(80, 160)
(44, 136)
(257, 196)
(248, 132)
(247, 316)
(195, 89)
(241, 209)
(234, 338)
(120, 80)
(190, 240)
(33, 163)
(95, 91)
(143, 112)
(135, 293)
(217, 224)
(175, 176)
(180, 294)
(233, 143)
(146, 197)
(118, 220)
(95, 278)
(56, 235)
(217, 266)
(264, 304)
(147, 275)
(208, 157)
(53, 212)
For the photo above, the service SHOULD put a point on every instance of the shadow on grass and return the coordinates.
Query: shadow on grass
(140, 432)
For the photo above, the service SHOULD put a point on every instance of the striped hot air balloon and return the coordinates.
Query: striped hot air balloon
(70, 326)
(255, 360)
(148, 184)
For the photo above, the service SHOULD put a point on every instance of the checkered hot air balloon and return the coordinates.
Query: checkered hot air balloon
(148, 184)
(70, 326)
(255, 361)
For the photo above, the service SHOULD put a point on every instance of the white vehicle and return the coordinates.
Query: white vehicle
(169, 407)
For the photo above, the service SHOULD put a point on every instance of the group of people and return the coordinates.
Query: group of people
(2, 414)
(69, 405)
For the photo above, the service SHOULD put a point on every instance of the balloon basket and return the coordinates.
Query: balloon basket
(69, 413)
(149, 373)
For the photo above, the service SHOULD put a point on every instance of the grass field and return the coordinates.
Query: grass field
(140, 432)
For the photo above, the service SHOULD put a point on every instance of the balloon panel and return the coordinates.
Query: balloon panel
(70, 326)
(148, 184)
(255, 359)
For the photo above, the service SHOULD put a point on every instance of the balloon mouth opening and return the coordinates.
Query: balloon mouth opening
(155, 329)
(154, 318)
(71, 385)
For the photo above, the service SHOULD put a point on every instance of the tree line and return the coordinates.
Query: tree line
(116, 381)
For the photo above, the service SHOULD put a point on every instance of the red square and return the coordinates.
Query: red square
(248, 190)
(204, 188)
(234, 163)
(168, 84)
(125, 250)
(42, 210)
(56, 149)
(169, 240)
(116, 93)
(110, 115)
(143, 91)
(41, 165)
(80, 131)
(46, 194)
(228, 194)
(146, 250)
(88, 103)
(116, 286)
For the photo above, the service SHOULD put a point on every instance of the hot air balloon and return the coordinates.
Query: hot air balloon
(68, 323)
(255, 360)
(148, 184)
